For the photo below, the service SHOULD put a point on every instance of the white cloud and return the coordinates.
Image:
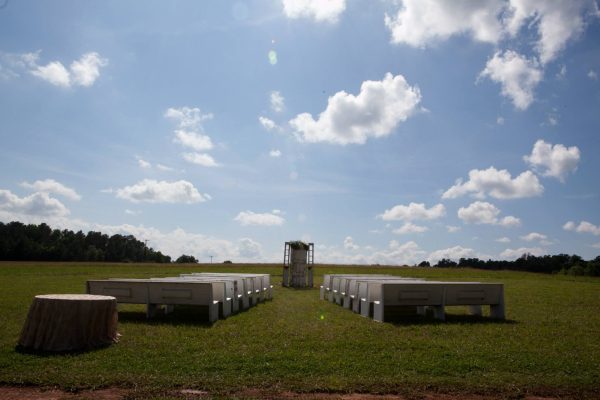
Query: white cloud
(509, 222)
(86, 70)
(592, 75)
(517, 75)
(132, 212)
(319, 10)
(452, 228)
(553, 160)
(396, 253)
(583, 227)
(500, 120)
(557, 22)
(513, 254)
(481, 212)
(503, 240)
(202, 159)
(374, 112)
(51, 186)
(144, 164)
(409, 227)
(277, 101)
(268, 124)
(246, 218)
(152, 191)
(193, 140)
(165, 168)
(413, 212)
(187, 117)
(249, 249)
(496, 183)
(562, 73)
(349, 244)
(275, 153)
(82, 72)
(534, 236)
(452, 253)
(38, 204)
(420, 22)
(54, 73)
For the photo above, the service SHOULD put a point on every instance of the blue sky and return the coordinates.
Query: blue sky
(383, 131)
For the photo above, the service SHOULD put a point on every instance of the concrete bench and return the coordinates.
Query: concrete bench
(352, 288)
(236, 282)
(262, 287)
(326, 290)
(378, 297)
(215, 296)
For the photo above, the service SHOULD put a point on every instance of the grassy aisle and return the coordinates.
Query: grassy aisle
(296, 342)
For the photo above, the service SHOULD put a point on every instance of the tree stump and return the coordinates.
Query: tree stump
(70, 322)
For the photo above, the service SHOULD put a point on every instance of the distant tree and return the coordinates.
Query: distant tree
(185, 259)
(446, 263)
(227, 262)
(424, 264)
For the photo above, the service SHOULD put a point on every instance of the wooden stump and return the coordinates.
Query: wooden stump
(70, 322)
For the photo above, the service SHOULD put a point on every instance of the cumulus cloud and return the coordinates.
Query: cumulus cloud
(177, 242)
(496, 183)
(420, 22)
(553, 160)
(413, 212)
(246, 218)
(152, 191)
(592, 75)
(190, 134)
(374, 112)
(319, 10)
(452, 228)
(277, 101)
(202, 159)
(144, 164)
(395, 253)
(517, 75)
(51, 186)
(557, 22)
(193, 140)
(409, 227)
(268, 124)
(503, 239)
(513, 254)
(583, 227)
(38, 204)
(534, 236)
(349, 243)
(481, 212)
(452, 253)
(82, 72)
(275, 153)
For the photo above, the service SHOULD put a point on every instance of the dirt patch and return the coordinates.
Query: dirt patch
(34, 393)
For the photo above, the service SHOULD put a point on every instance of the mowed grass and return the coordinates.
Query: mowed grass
(550, 343)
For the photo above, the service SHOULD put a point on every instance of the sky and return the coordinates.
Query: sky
(384, 131)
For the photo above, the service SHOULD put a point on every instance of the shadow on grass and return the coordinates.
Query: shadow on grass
(451, 319)
(65, 353)
(181, 316)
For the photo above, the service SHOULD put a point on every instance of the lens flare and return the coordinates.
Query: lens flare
(273, 57)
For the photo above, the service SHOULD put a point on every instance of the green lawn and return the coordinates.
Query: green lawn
(550, 343)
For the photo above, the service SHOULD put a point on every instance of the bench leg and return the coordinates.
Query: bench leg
(150, 310)
(421, 310)
(365, 308)
(321, 293)
(169, 308)
(475, 310)
(439, 313)
(497, 310)
(213, 311)
(378, 311)
(347, 301)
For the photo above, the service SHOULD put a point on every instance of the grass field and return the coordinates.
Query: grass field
(550, 343)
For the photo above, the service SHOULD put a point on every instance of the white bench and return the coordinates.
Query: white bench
(380, 295)
(236, 283)
(215, 296)
(262, 288)
(326, 290)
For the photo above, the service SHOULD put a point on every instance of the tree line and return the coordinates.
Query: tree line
(20, 242)
(550, 264)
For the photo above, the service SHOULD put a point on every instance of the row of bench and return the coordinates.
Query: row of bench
(219, 294)
(382, 296)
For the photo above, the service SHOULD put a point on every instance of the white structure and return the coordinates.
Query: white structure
(298, 260)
